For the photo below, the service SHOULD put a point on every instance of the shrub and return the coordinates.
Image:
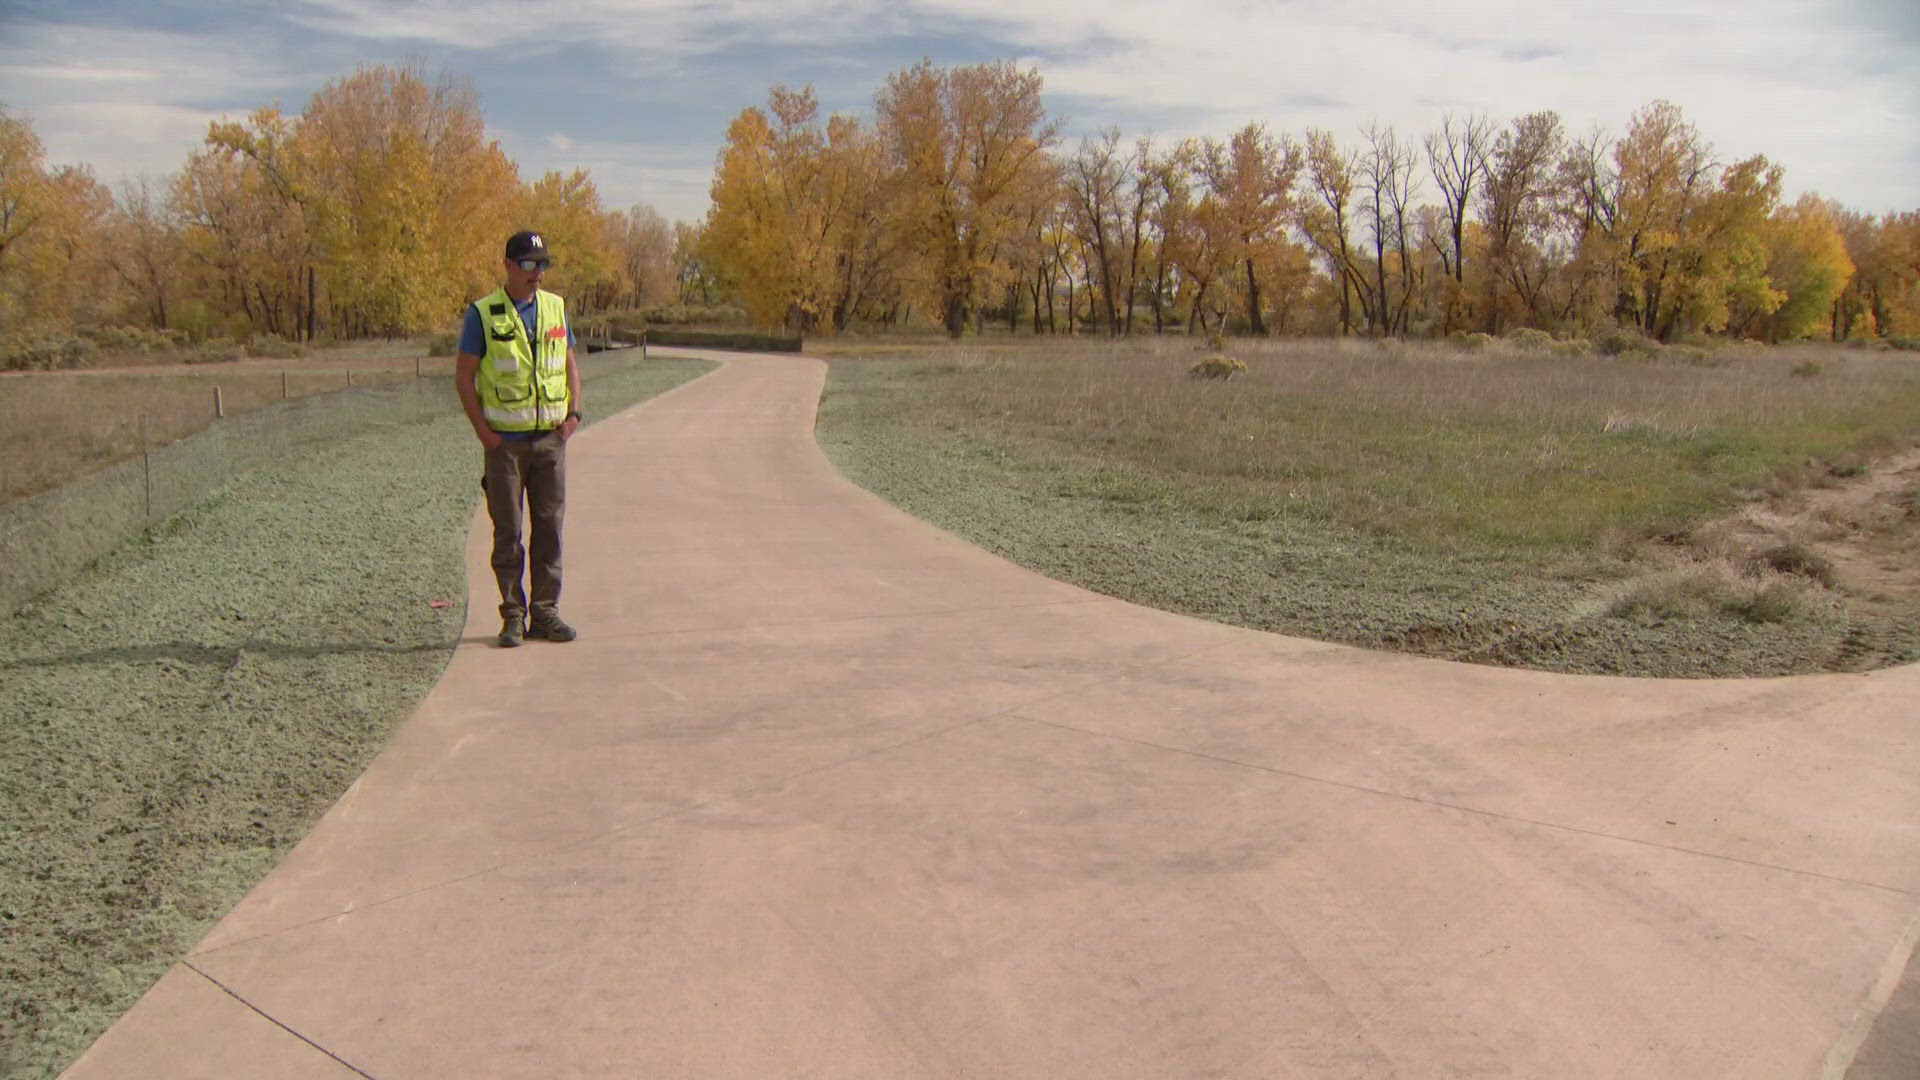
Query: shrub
(44, 352)
(1798, 560)
(1807, 369)
(1909, 343)
(1676, 594)
(442, 344)
(1217, 366)
(1530, 339)
(216, 350)
(1573, 347)
(126, 339)
(1622, 341)
(1469, 342)
(1709, 590)
(724, 339)
(1773, 602)
(195, 321)
(683, 315)
(274, 347)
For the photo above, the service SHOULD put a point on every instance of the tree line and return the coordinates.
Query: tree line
(379, 208)
(956, 202)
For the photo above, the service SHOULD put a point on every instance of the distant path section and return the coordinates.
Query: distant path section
(823, 791)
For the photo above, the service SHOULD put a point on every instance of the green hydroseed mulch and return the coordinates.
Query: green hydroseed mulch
(180, 714)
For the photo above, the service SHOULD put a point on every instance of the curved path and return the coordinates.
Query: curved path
(823, 791)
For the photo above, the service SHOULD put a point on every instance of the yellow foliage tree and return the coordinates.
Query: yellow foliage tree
(565, 211)
(1807, 268)
(52, 254)
(249, 245)
(968, 146)
(1883, 298)
(407, 201)
(771, 227)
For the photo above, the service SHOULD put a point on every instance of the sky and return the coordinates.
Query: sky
(640, 93)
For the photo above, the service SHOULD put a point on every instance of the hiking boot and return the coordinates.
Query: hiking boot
(512, 633)
(551, 628)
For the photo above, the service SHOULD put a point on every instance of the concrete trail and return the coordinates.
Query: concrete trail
(823, 791)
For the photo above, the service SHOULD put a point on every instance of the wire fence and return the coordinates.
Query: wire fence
(48, 538)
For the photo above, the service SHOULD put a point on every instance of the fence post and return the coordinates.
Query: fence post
(349, 378)
(283, 386)
(219, 409)
(146, 459)
(643, 344)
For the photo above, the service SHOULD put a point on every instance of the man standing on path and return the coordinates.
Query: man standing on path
(518, 381)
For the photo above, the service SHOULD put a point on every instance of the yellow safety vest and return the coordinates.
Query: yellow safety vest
(523, 382)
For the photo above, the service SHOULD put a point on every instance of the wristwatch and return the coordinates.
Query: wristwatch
(575, 415)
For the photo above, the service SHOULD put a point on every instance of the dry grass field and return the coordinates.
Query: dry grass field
(1501, 505)
(60, 424)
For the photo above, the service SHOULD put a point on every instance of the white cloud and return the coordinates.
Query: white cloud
(672, 181)
(122, 139)
(1812, 86)
(133, 102)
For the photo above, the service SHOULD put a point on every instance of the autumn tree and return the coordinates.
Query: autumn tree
(640, 243)
(1326, 219)
(795, 222)
(867, 246)
(1727, 250)
(1806, 269)
(969, 146)
(1251, 178)
(1679, 234)
(1883, 297)
(406, 198)
(52, 255)
(1387, 186)
(1169, 210)
(146, 233)
(1095, 178)
(251, 251)
(1457, 158)
(1517, 210)
(564, 208)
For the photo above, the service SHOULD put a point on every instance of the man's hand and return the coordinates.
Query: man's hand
(489, 438)
(568, 426)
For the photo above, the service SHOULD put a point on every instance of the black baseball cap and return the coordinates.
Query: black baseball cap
(527, 244)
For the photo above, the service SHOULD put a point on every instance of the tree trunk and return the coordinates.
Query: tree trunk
(1256, 320)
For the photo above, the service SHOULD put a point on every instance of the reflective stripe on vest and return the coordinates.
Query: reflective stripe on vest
(523, 381)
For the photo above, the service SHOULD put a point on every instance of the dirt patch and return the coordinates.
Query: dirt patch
(1854, 531)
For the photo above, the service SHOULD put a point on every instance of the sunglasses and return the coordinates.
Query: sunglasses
(532, 265)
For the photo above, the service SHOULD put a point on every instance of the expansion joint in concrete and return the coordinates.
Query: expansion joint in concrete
(277, 1022)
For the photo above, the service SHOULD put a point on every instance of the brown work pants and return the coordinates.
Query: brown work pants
(532, 472)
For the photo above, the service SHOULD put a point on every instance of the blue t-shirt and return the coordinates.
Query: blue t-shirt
(473, 341)
(473, 335)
